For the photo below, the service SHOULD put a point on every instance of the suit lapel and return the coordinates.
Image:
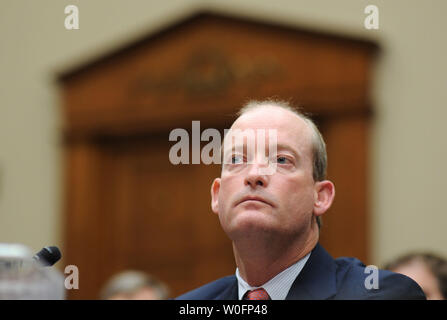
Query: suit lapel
(230, 292)
(317, 280)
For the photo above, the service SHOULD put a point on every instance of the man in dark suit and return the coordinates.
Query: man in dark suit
(270, 207)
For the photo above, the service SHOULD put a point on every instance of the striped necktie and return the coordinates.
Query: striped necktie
(258, 294)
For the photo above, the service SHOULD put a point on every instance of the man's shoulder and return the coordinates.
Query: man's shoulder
(355, 280)
(211, 291)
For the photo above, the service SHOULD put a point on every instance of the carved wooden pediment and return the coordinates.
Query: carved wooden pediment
(211, 62)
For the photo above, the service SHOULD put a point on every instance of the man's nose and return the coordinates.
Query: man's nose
(254, 176)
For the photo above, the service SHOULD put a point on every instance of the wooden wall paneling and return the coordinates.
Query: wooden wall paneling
(83, 219)
(160, 216)
(345, 230)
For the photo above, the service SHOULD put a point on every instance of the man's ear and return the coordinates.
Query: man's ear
(215, 187)
(325, 193)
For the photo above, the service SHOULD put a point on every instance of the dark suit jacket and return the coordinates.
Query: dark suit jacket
(323, 278)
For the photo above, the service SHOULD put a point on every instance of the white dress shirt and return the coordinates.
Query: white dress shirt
(278, 287)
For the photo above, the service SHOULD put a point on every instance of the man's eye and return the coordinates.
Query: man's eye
(282, 160)
(236, 159)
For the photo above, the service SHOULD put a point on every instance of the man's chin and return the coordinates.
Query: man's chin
(250, 222)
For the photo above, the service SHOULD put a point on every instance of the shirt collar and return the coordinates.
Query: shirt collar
(278, 287)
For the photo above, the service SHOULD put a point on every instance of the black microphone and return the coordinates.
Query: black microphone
(48, 256)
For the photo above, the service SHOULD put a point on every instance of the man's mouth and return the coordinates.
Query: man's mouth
(254, 199)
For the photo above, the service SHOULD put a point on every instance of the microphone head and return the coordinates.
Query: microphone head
(48, 256)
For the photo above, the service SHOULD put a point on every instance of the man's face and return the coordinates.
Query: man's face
(282, 202)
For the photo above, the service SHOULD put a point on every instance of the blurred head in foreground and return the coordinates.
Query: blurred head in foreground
(134, 285)
(428, 270)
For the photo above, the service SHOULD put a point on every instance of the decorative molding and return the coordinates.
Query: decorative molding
(209, 71)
